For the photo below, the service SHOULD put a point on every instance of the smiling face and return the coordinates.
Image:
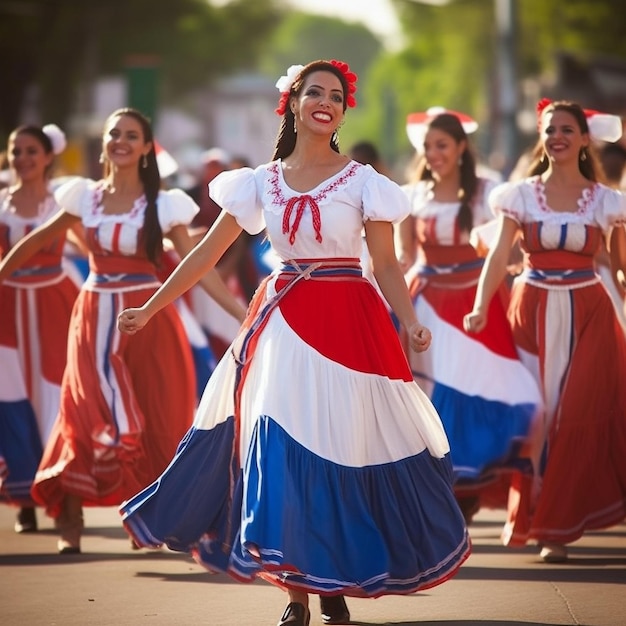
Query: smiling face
(442, 152)
(561, 136)
(320, 105)
(27, 157)
(123, 141)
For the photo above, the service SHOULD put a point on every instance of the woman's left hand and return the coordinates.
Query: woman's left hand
(419, 337)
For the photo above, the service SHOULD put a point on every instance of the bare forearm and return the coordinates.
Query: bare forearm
(213, 284)
(391, 282)
(617, 254)
(490, 279)
(198, 265)
(34, 242)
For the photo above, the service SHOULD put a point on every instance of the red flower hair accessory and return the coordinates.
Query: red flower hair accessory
(602, 126)
(351, 79)
(284, 84)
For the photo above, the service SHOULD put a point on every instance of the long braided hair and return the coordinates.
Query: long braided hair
(152, 235)
(286, 138)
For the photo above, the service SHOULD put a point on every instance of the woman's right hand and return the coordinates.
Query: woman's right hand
(475, 321)
(129, 321)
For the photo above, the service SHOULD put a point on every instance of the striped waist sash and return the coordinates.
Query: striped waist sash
(327, 268)
(38, 276)
(560, 278)
(453, 268)
(105, 282)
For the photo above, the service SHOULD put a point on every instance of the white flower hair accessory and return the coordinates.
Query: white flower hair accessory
(284, 83)
(56, 136)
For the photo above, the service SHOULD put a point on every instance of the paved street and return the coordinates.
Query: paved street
(109, 584)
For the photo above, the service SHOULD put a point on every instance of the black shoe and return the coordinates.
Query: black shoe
(295, 614)
(26, 520)
(334, 610)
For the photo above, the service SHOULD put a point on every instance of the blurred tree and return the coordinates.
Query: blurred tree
(302, 37)
(55, 45)
(449, 58)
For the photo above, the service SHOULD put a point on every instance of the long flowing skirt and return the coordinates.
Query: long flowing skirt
(33, 347)
(574, 342)
(488, 400)
(314, 460)
(125, 403)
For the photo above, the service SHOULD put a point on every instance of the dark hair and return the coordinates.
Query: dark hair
(588, 162)
(365, 152)
(613, 160)
(152, 236)
(37, 133)
(286, 138)
(451, 125)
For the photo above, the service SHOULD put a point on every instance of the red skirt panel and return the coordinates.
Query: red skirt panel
(583, 483)
(126, 402)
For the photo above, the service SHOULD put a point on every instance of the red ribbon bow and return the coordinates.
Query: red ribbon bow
(301, 203)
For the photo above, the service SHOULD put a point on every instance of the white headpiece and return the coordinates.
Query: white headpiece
(56, 136)
(417, 124)
(602, 126)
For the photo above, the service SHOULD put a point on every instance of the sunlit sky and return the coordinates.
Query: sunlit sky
(378, 15)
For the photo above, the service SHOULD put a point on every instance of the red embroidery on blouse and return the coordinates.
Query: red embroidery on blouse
(300, 202)
(583, 202)
(138, 206)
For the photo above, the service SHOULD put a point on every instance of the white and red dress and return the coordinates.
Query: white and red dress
(315, 461)
(485, 396)
(35, 306)
(125, 401)
(565, 326)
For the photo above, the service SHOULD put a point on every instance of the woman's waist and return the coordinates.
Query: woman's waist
(321, 269)
(39, 269)
(115, 272)
(560, 269)
(97, 281)
(452, 273)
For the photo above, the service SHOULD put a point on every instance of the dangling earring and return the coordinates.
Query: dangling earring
(460, 161)
(335, 136)
(101, 158)
(144, 161)
(583, 154)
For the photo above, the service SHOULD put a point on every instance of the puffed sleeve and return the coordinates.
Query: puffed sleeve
(74, 196)
(175, 207)
(236, 192)
(483, 211)
(384, 200)
(506, 199)
(611, 209)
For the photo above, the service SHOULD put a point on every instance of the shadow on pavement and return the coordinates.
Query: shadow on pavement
(470, 622)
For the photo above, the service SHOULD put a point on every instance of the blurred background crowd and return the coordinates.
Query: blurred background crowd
(205, 72)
